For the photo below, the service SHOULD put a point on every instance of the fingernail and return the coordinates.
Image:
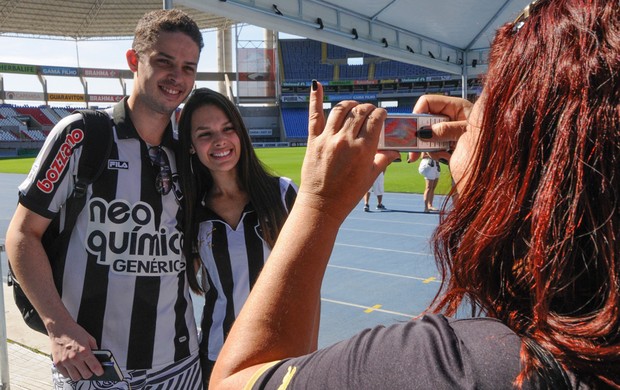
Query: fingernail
(315, 85)
(425, 132)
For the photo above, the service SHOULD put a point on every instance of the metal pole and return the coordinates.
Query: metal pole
(464, 76)
(236, 60)
(4, 354)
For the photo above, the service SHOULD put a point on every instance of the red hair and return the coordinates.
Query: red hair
(534, 237)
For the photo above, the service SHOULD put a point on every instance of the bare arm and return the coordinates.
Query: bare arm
(70, 343)
(278, 319)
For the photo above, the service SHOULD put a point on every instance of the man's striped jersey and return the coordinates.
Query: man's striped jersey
(124, 276)
(233, 259)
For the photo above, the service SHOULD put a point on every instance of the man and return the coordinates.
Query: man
(124, 286)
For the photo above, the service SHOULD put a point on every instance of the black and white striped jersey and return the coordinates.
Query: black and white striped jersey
(124, 276)
(233, 259)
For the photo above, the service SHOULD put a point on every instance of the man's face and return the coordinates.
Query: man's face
(165, 75)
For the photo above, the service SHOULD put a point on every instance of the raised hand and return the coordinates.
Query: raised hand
(342, 161)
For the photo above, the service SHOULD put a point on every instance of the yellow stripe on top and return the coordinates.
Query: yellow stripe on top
(290, 373)
(258, 373)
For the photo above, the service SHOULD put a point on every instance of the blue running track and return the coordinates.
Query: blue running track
(381, 270)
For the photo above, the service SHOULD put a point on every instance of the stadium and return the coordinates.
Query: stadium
(361, 50)
(273, 119)
(268, 79)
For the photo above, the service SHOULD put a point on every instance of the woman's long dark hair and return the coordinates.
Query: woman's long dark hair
(261, 187)
(534, 238)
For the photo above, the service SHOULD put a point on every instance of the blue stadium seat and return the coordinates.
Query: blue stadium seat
(295, 122)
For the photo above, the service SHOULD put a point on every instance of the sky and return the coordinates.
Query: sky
(108, 54)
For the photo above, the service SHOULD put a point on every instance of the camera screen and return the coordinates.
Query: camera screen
(400, 132)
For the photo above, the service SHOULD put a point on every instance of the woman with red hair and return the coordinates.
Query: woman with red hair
(531, 243)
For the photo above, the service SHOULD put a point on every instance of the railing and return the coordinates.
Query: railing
(4, 354)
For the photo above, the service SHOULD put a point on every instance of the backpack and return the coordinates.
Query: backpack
(96, 148)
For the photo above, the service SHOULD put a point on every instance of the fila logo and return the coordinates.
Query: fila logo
(118, 164)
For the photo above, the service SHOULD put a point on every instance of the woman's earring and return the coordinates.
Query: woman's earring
(191, 163)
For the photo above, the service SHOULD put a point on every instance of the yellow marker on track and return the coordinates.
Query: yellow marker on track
(371, 309)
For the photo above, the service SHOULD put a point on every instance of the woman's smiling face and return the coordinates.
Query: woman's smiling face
(214, 139)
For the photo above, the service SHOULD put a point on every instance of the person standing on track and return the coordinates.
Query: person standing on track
(429, 168)
(378, 188)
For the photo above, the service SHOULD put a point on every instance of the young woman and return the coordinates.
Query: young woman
(429, 168)
(233, 211)
(532, 244)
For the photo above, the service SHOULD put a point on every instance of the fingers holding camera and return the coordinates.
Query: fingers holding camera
(345, 152)
(82, 365)
(448, 131)
(347, 115)
(369, 134)
(344, 117)
(369, 119)
(457, 109)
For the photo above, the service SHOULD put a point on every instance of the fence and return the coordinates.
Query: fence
(4, 355)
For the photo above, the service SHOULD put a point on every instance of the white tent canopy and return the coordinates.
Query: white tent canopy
(457, 33)
(85, 19)
(447, 35)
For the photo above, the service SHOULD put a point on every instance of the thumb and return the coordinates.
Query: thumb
(92, 342)
(413, 156)
(449, 131)
(316, 116)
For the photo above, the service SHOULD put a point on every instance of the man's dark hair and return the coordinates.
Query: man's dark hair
(154, 22)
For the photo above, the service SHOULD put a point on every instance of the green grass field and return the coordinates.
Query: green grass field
(16, 165)
(399, 177)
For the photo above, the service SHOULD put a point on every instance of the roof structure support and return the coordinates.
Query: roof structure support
(328, 22)
(440, 35)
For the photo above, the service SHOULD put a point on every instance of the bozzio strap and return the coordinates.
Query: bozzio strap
(96, 148)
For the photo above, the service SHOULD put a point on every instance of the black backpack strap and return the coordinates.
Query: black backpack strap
(96, 148)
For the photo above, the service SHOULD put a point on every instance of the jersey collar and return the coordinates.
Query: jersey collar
(125, 128)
